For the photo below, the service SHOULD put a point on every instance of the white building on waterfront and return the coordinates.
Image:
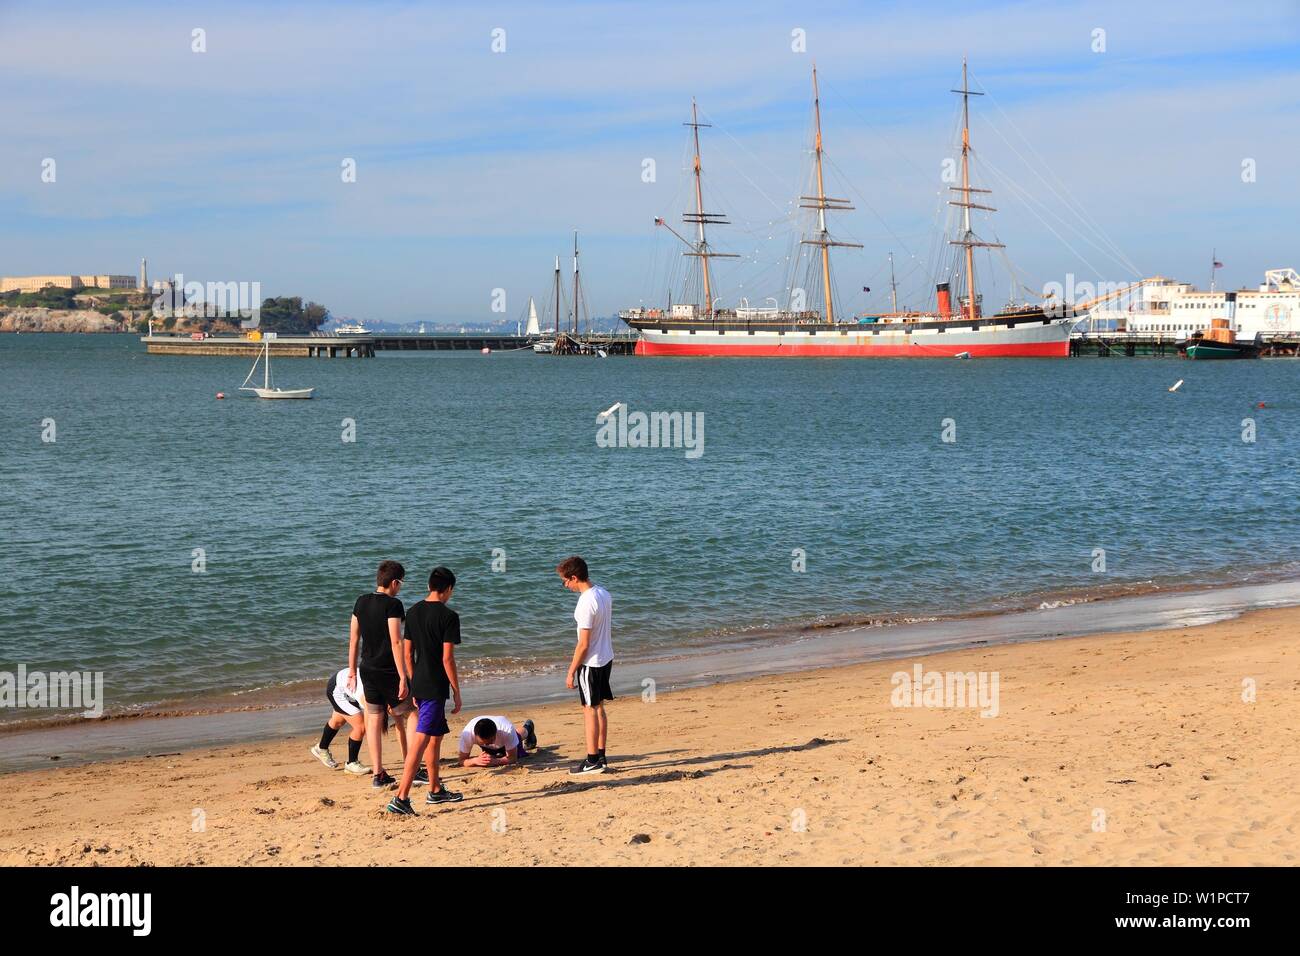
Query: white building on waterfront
(1163, 306)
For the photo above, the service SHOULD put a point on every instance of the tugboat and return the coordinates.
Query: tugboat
(1219, 342)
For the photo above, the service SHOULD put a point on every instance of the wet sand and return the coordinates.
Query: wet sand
(1125, 748)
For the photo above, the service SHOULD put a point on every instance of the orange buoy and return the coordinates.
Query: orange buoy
(1262, 405)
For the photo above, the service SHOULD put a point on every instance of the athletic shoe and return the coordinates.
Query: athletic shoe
(325, 757)
(603, 762)
(384, 781)
(357, 767)
(584, 768)
(421, 777)
(443, 795)
(530, 735)
(400, 807)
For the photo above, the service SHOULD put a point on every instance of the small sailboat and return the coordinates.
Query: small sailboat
(267, 391)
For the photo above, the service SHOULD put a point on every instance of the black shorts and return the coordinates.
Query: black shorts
(381, 692)
(593, 684)
(330, 686)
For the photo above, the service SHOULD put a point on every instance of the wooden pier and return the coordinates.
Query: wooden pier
(284, 346)
(365, 346)
(1155, 345)
(329, 346)
(615, 343)
(449, 342)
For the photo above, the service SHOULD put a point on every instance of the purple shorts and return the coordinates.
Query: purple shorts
(432, 719)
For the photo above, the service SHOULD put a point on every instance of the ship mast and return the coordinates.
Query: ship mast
(575, 282)
(700, 248)
(557, 297)
(893, 286)
(968, 238)
(821, 202)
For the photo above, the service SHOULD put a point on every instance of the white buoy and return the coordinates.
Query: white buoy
(609, 411)
(1176, 386)
(486, 350)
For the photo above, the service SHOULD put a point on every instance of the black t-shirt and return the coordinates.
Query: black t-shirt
(430, 625)
(373, 612)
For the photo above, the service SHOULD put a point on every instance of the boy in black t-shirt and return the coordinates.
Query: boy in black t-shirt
(374, 652)
(432, 633)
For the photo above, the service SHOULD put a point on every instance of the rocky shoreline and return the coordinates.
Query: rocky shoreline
(89, 320)
(61, 320)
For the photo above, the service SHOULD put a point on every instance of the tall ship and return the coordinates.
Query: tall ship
(957, 326)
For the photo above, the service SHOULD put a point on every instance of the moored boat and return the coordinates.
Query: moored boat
(957, 326)
(268, 390)
(1219, 342)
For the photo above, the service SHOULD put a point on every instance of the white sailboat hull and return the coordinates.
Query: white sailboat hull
(282, 392)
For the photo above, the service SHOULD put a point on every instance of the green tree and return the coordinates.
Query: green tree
(289, 314)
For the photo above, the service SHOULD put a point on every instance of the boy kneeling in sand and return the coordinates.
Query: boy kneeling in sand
(498, 740)
(432, 633)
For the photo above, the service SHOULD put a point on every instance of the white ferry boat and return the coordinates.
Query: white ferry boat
(1162, 306)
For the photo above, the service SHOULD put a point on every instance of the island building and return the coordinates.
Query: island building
(74, 282)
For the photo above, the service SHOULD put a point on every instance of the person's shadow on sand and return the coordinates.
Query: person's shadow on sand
(665, 771)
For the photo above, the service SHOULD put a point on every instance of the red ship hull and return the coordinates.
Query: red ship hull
(847, 350)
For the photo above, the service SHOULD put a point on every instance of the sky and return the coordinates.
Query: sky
(1120, 140)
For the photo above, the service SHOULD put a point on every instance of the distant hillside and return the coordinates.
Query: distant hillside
(102, 310)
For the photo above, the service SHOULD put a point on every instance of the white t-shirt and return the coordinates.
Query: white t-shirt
(507, 737)
(594, 611)
(350, 704)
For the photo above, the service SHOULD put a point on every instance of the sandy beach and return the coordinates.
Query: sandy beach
(1133, 748)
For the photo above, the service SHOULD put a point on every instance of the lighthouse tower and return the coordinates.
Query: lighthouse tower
(144, 275)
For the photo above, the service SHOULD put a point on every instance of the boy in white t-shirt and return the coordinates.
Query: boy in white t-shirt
(500, 744)
(593, 659)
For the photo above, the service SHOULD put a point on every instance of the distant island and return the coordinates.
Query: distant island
(89, 309)
(58, 309)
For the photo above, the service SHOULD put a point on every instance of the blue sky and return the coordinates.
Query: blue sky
(473, 167)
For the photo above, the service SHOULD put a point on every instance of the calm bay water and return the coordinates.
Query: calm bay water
(457, 454)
